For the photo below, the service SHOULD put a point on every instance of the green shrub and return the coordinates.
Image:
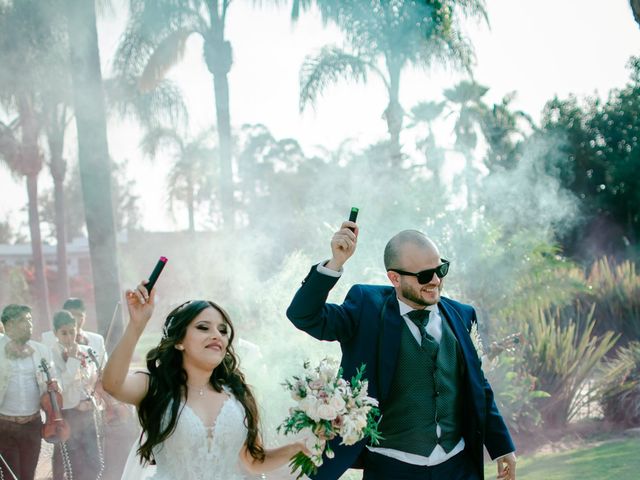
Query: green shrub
(515, 391)
(620, 398)
(562, 352)
(616, 291)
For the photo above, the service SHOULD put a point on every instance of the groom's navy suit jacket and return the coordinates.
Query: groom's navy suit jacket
(368, 326)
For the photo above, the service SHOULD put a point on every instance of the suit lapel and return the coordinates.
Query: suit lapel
(389, 343)
(472, 363)
(459, 328)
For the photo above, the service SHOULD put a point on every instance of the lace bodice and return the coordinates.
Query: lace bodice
(197, 452)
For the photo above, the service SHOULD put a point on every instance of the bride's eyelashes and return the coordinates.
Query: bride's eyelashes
(223, 329)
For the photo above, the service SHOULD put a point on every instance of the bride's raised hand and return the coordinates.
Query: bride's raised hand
(140, 304)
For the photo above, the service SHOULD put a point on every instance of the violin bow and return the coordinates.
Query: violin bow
(110, 329)
(6, 465)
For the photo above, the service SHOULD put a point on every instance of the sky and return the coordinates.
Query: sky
(538, 48)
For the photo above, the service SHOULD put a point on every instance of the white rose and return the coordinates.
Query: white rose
(327, 412)
(350, 433)
(337, 402)
(359, 420)
(348, 429)
(309, 405)
(316, 384)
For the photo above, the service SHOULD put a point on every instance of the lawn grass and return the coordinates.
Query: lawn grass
(616, 459)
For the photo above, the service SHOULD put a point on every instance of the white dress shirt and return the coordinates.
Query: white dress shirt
(24, 399)
(78, 377)
(96, 343)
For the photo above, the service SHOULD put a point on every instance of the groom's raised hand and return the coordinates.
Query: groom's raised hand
(343, 244)
(507, 467)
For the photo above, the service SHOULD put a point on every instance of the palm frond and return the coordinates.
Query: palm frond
(297, 6)
(331, 65)
(160, 138)
(168, 52)
(466, 92)
(427, 112)
(150, 23)
(164, 104)
(9, 146)
(473, 9)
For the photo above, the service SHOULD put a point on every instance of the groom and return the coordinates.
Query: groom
(437, 407)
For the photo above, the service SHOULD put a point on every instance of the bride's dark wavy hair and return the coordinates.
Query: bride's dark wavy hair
(168, 382)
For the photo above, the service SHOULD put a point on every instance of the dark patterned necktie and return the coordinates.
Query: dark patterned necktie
(421, 319)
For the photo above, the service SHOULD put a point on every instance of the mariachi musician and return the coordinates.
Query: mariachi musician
(77, 368)
(95, 341)
(22, 384)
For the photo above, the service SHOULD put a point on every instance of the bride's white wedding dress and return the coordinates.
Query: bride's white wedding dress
(195, 451)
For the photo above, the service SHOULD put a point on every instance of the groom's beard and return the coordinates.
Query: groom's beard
(414, 294)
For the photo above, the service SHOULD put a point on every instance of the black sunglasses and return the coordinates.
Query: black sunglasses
(425, 276)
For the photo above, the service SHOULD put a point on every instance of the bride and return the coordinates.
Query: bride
(199, 418)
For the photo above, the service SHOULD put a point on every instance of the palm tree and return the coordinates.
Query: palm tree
(20, 151)
(191, 177)
(56, 121)
(93, 157)
(427, 113)
(56, 117)
(155, 39)
(27, 59)
(504, 130)
(383, 38)
(465, 100)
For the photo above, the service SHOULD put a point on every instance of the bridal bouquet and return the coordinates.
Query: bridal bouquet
(328, 407)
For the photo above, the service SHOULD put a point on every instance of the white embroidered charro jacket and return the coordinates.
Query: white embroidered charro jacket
(40, 352)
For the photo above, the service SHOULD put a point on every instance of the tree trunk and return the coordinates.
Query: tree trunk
(191, 205)
(94, 161)
(218, 57)
(58, 168)
(394, 113)
(221, 88)
(43, 321)
(31, 164)
(61, 239)
(469, 178)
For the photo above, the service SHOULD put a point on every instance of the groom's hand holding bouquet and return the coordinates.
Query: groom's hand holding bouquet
(329, 406)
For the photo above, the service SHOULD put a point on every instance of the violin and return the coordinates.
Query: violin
(55, 429)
